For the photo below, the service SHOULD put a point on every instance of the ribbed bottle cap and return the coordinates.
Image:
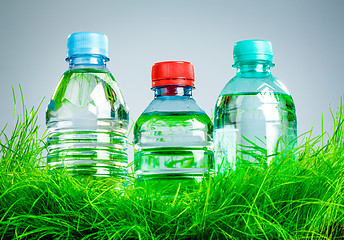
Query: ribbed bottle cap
(250, 50)
(87, 43)
(178, 73)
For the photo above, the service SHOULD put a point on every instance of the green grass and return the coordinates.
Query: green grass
(304, 200)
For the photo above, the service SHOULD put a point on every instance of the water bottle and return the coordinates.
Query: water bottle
(87, 118)
(254, 114)
(173, 135)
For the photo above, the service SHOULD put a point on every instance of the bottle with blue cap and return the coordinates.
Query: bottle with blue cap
(255, 114)
(87, 118)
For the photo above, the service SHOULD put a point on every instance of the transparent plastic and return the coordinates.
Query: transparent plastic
(173, 139)
(254, 115)
(87, 121)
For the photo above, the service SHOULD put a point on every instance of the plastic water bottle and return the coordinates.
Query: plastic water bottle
(173, 136)
(254, 114)
(87, 118)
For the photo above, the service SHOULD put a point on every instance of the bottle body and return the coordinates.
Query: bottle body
(173, 139)
(254, 117)
(87, 122)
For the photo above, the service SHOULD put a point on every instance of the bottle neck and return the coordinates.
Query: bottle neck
(87, 61)
(172, 91)
(253, 68)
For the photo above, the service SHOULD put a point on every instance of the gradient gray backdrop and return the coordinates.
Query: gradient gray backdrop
(307, 38)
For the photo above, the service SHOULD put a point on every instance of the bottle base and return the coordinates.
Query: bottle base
(171, 182)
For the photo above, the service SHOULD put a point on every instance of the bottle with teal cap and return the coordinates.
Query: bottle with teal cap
(254, 114)
(87, 118)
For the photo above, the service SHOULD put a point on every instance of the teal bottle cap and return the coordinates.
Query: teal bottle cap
(251, 50)
(87, 43)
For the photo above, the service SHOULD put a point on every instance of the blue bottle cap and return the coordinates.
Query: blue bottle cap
(87, 43)
(251, 50)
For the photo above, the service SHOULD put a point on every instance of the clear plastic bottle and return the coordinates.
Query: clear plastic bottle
(254, 113)
(87, 118)
(173, 136)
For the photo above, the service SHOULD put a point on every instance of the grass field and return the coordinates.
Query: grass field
(304, 200)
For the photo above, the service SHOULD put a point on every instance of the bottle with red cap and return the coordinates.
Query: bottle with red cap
(173, 135)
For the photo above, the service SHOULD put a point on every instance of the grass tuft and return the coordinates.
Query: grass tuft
(285, 200)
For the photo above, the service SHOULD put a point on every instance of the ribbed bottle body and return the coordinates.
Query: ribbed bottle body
(173, 142)
(251, 127)
(87, 123)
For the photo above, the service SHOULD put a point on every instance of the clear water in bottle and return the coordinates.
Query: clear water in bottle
(173, 136)
(254, 114)
(254, 124)
(87, 118)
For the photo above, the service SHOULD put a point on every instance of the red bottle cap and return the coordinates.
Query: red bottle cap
(176, 73)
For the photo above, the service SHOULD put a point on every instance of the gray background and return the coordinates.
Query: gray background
(307, 38)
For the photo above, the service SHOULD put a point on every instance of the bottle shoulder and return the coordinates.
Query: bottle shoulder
(173, 104)
(244, 85)
(87, 91)
(176, 111)
(95, 75)
(88, 69)
(171, 120)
